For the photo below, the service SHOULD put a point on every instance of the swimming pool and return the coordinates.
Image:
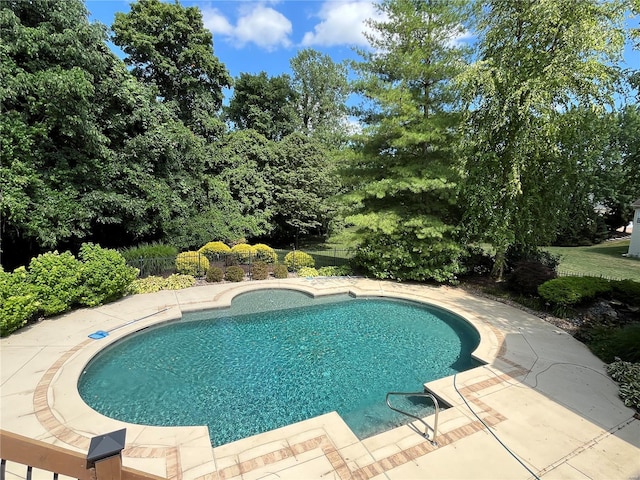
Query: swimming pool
(277, 357)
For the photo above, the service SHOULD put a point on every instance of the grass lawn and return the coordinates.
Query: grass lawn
(604, 260)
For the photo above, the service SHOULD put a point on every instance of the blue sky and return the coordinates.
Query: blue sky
(252, 36)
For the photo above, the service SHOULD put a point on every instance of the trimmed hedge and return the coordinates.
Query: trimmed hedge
(308, 272)
(243, 252)
(153, 283)
(215, 274)
(280, 271)
(234, 274)
(213, 249)
(298, 259)
(265, 253)
(192, 263)
(571, 291)
(259, 271)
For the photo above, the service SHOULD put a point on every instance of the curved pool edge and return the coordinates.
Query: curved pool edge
(67, 418)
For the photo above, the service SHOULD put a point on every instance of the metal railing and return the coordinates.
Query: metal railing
(427, 427)
(164, 266)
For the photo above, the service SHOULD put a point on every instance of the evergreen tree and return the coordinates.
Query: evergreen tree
(405, 173)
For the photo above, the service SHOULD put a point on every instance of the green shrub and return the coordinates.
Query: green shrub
(609, 343)
(57, 278)
(259, 271)
(298, 259)
(307, 272)
(155, 284)
(18, 300)
(149, 250)
(627, 375)
(341, 271)
(626, 291)
(243, 252)
(234, 274)
(265, 253)
(280, 271)
(570, 291)
(528, 276)
(476, 261)
(192, 263)
(214, 275)
(105, 275)
(213, 250)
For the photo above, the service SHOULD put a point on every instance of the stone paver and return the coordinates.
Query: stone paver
(542, 393)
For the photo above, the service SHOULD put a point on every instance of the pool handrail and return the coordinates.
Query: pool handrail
(426, 425)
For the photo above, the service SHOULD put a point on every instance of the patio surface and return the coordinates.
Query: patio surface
(542, 393)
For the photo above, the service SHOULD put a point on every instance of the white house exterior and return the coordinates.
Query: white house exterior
(634, 246)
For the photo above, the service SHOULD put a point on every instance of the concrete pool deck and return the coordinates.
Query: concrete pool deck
(542, 393)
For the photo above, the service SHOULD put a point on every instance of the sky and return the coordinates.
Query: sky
(254, 36)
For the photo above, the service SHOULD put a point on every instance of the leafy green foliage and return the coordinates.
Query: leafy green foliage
(609, 343)
(403, 177)
(570, 291)
(627, 291)
(215, 274)
(528, 276)
(537, 60)
(265, 253)
(243, 252)
(280, 271)
(149, 250)
(259, 271)
(169, 47)
(192, 263)
(153, 284)
(18, 300)
(331, 271)
(627, 374)
(264, 104)
(234, 274)
(104, 275)
(307, 272)
(391, 257)
(298, 259)
(212, 250)
(57, 278)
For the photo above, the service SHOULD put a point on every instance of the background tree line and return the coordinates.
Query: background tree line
(510, 141)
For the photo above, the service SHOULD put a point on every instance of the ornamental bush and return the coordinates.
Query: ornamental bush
(192, 263)
(298, 259)
(627, 291)
(259, 271)
(341, 271)
(528, 276)
(149, 250)
(280, 271)
(243, 252)
(234, 274)
(214, 274)
(627, 374)
(213, 250)
(265, 253)
(57, 278)
(571, 291)
(104, 275)
(18, 300)
(307, 272)
(155, 284)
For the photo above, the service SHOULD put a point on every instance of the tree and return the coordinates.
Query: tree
(242, 162)
(405, 174)
(54, 64)
(303, 183)
(264, 104)
(536, 59)
(322, 89)
(168, 47)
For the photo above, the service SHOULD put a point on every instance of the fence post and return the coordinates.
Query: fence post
(105, 455)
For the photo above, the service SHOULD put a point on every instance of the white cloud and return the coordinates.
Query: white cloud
(259, 24)
(216, 22)
(342, 23)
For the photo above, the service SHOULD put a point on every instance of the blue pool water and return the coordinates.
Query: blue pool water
(277, 357)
